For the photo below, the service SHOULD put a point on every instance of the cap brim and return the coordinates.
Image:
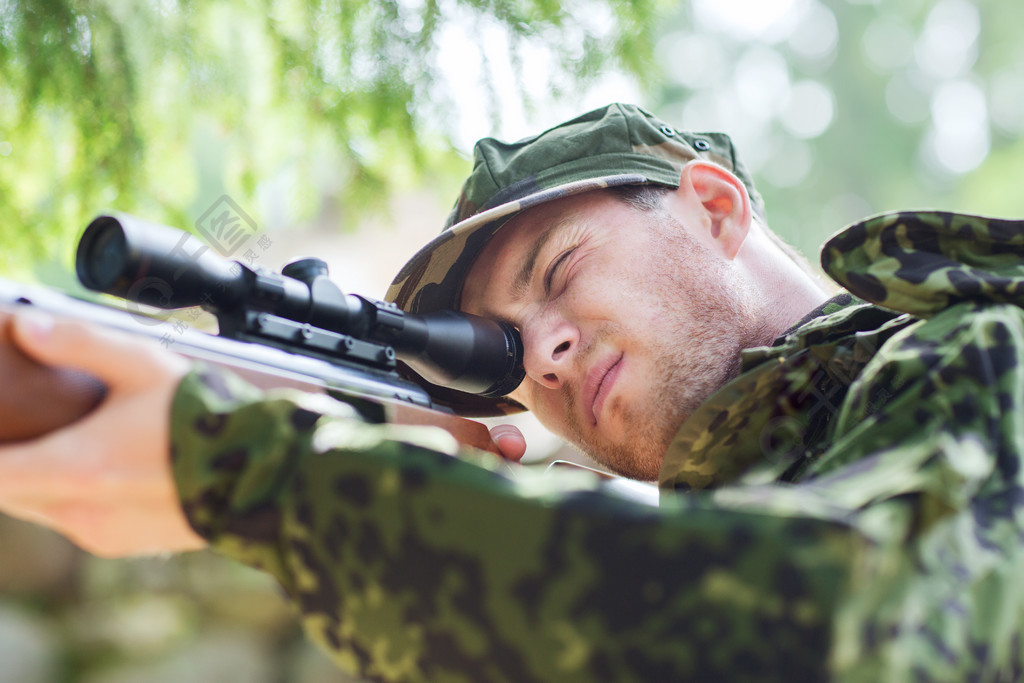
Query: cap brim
(445, 260)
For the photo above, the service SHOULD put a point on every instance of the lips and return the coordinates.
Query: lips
(599, 383)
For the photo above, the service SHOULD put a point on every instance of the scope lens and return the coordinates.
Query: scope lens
(103, 257)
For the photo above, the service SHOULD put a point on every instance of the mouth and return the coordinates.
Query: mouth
(599, 384)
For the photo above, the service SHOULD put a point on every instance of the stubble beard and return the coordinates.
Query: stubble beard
(707, 319)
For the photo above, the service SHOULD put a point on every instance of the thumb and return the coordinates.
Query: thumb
(117, 358)
(510, 441)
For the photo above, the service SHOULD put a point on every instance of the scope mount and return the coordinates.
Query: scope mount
(246, 324)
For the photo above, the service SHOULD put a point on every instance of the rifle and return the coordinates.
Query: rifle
(292, 329)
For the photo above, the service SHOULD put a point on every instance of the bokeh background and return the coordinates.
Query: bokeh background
(343, 129)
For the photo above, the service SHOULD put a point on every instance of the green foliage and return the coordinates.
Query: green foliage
(160, 107)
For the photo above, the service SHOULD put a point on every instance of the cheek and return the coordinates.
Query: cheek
(601, 292)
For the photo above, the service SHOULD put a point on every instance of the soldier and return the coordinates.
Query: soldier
(840, 470)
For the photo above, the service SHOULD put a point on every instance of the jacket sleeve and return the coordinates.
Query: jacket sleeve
(927, 447)
(409, 561)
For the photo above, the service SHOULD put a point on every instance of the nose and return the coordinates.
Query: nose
(549, 345)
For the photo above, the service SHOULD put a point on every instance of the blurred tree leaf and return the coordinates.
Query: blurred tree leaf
(923, 103)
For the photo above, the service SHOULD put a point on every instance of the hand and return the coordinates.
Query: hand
(104, 481)
(510, 441)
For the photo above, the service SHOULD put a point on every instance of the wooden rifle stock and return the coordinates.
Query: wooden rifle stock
(36, 399)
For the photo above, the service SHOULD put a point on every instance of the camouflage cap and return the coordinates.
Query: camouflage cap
(619, 144)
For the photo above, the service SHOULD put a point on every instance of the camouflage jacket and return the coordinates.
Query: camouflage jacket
(850, 507)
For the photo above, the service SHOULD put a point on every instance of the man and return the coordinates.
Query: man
(861, 515)
(714, 279)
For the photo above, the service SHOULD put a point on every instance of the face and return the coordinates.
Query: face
(628, 321)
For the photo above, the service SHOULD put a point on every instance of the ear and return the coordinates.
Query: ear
(721, 201)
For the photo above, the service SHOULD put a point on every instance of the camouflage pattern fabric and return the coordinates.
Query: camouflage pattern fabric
(850, 508)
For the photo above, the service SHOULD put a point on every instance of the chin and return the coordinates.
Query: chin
(641, 459)
(640, 451)
(638, 471)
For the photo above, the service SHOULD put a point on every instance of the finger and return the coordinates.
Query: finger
(510, 441)
(117, 358)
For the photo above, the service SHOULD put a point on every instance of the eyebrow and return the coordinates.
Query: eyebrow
(521, 282)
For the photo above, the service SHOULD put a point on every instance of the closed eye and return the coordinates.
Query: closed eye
(549, 276)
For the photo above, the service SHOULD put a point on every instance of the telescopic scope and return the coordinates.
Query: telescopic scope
(168, 268)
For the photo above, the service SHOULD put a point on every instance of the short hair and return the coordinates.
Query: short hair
(649, 198)
(643, 198)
